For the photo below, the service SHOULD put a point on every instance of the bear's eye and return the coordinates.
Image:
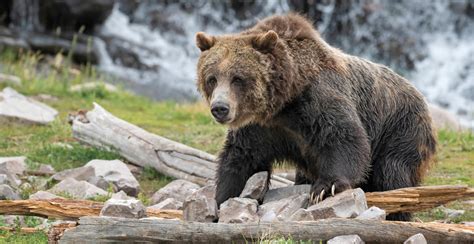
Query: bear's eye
(211, 81)
(238, 80)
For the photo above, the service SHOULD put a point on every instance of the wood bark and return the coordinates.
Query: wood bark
(96, 229)
(68, 209)
(100, 128)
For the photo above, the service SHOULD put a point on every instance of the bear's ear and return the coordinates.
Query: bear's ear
(266, 42)
(204, 42)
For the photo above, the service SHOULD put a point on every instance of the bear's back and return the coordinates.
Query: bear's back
(291, 26)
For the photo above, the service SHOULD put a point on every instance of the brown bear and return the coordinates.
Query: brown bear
(287, 95)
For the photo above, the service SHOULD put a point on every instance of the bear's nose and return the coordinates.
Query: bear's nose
(220, 111)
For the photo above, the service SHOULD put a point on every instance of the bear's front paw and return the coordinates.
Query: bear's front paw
(325, 188)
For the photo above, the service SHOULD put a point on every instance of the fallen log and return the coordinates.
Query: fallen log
(95, 229)
(101, 129)
(414, 199)
(25, 230)
(68, 209)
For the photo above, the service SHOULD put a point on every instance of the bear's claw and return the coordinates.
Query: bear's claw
(321, 190)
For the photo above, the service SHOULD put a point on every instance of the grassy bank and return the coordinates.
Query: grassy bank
(187, 123)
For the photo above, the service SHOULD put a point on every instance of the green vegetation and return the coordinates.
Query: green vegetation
(188, 123)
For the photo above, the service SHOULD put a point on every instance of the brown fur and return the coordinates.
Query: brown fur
(342, 120)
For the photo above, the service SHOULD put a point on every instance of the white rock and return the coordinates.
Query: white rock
(46, 169)
(81, 173)
(285, 192)
(169, 203)
(282, 209)
(77, 189)
(131, 208)
(12, 165)
(117, 173)
(177, 189)
(373, 213)
(256, 186)
(416, 239)
(121, 195)
(44, 195)
(93, 85)
(7, 193)
(238, 210)
(346, 239)
(14, 106)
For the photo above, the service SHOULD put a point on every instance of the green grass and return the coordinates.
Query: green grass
(188, 123)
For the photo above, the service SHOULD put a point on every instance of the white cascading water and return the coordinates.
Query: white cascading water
(444, 72)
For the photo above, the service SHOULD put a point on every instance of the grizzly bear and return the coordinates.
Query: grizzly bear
(287, 95)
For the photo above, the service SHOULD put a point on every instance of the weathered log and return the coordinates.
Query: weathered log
(101, 129)
(25, 230)
(68, 209)
(413, 199)
(94, 229)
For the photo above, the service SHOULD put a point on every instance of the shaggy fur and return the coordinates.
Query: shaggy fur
(341, 119)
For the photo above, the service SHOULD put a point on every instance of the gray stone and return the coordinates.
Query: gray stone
(100, 182)
(256, 186)
(10, 179)
(44, 195)
(7, 193)
(121, 195)
(347, 204)
(282, 209)
(238, 210)
(81, 173)
(16, 107)
(285, 192)
(346, 239)
(468, 223)
(373, 213)
(131, 208)
(77, 189)
(12, 165)
(38, 183)
(451, 213)
(169, 203)
(301, 215)
(117, 173)
(46, 169)
(177, 189)
(200, 207)
(3, 179)
(93, 85)
(416, 239)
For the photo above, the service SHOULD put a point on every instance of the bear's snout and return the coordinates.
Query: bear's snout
(220, 111)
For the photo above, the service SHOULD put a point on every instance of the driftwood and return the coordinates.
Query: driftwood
(94, 229)
(68, 209)
(101, 129)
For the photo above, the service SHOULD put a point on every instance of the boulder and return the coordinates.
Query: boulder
(282, 210)
(256, 186)
(117, 173)
(347, 204)
(77, 189)
(177, 189)
(3, 179)
(81, 173)
(7, 193)
(285, 192)
(100, 182)
(16, 107)
(169, 203)
(346, 239)
(12, 165)
(373, 213)
(38, 183)
(201, 205)
(238, 210)
(46, 169)
(131, 208)
(121, 195)
(443, 119)
(416, 239)
(44, 195)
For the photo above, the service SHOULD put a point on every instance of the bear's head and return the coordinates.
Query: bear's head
(244, 78)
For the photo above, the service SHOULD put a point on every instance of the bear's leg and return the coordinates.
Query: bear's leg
(300, 177)
(247, 150)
